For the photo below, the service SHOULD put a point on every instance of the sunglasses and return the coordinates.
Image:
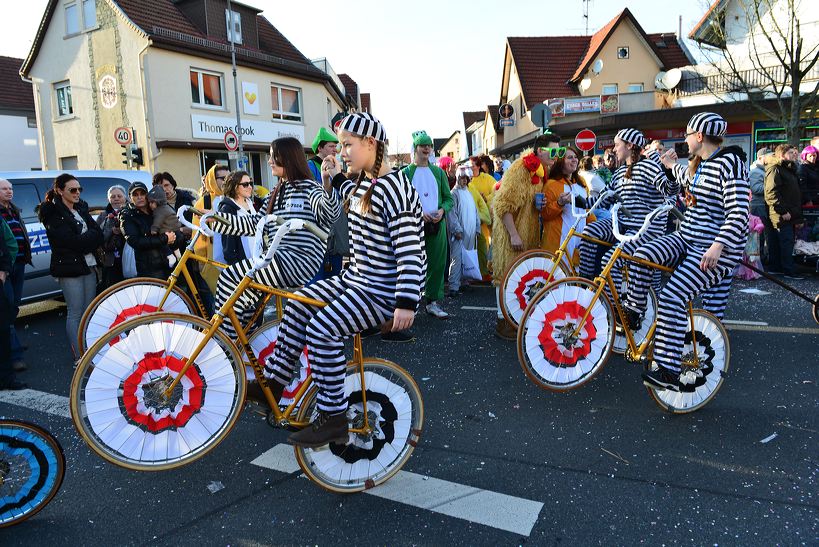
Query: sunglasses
(553, 152)
(77, 190)
(691, 133)
(245, 184)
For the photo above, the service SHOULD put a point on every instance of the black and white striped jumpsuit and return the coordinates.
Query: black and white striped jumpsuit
(720, 215)
(646, 190)
(387, 271)
(297, 258)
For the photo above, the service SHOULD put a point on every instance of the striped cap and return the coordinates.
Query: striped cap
(363, 125)
(709, 124)
(632, 136)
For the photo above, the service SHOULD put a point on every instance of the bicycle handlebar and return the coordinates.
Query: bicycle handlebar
(583, 212)
(285, 227)
(203, 225)
(664, 208)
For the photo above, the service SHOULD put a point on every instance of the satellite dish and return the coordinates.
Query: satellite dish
(597, 67)
(658, 80)
(585, 84)
(672, 78)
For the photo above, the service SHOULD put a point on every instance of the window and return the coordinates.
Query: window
(286, 103)
(80, 15)
(635, 88)
(69, 163)
(65, 106)
(609, 89)
(622, 52)
(32, 123)
(233, 23)
(206, 89)
(26, 198)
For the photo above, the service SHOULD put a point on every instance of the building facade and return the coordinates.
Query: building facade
(18, 120)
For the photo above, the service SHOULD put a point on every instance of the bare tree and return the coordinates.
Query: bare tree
(772, 67)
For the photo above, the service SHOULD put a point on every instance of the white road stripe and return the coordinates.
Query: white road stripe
(479, 308)
(786, 330)
(37, 400)
(516, 515)
(738, 322)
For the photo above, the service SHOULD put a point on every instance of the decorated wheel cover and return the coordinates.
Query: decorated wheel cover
(555, 354)
(263, 342)
(123, 403)
(525, 281)
(127, 303)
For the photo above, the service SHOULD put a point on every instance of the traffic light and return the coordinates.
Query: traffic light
(136, 155)
(126, 154)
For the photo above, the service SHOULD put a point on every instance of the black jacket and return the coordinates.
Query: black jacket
(232, 246)
(809, 182)
(68, 244)
(112, 242)
(150, 251)
(782, 192)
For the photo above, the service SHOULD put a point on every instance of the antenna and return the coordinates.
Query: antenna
(586, 14)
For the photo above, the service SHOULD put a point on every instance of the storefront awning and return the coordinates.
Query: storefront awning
(200, 145)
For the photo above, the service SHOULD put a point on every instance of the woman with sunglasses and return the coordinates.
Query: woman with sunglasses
(74, 236)
(238, 201)
(641, 185)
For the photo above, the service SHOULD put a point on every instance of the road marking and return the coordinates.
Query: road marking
(738, 322)
(787, 330)
(37, 400)
(508, 513)
(480, 308)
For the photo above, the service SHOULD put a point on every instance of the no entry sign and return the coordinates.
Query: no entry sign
(585, 140)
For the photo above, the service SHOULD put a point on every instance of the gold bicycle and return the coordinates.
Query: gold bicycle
(567, 333)
(162, 390)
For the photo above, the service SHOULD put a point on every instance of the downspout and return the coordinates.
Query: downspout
(146, 109)
(38, 115)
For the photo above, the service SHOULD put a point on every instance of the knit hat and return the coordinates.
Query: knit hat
(323, 135)
(632, 136)
(364, 125)
(420, 138)
(709, 124)
(157, 194)
(137, 186)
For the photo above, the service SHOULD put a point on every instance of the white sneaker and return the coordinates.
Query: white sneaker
(690, 377)
(433, 308)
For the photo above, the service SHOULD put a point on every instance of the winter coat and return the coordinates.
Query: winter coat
(232, 247)
(113, 243)
(68, 243)
(782, 192)
(150, 251)
(809, 182)
(13, 214)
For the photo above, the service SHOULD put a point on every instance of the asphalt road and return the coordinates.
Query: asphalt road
(606, 464)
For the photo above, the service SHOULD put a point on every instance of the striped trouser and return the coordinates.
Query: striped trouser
(350, 310)
(687, 281)
(273, 275)
(715, 299)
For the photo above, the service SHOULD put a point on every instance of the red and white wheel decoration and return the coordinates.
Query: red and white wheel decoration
(263, 342)
(126, 303)
(123, 405)
(527, 278)
(553, 354)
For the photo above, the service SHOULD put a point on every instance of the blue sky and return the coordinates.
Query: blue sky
(424, 62)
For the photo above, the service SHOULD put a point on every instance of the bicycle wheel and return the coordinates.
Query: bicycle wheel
(714, 354)
(549, 352)
(263, 342)
(816, 308)
(117, 393)
(32, 466)
(527, 275)
(125, 300)
(650, 315)
(396, 412)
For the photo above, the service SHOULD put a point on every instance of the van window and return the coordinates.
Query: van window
(26, 198)
(94, 189)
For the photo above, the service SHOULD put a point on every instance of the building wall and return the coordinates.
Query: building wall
(523, 123)
(183, 165)
(452, 148)
(20, 150)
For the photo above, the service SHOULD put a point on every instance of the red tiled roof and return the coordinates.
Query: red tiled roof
(545, 64)
(350, 87)
(15, 94)
(669, 50)
(598, 39)
(273, 42)
(147, 14)
(365, 103)
(714, 6)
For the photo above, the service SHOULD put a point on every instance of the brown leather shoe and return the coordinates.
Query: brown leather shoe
(256, 395)
(326, 428)
(506, 330)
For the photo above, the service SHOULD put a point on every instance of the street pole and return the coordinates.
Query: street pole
(231, 29)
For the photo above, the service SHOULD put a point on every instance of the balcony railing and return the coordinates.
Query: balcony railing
(727, 82)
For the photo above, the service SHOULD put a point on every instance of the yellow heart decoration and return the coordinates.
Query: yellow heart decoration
(251, 97)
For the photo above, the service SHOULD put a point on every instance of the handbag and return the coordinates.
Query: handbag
(471, 267)
(128, 262)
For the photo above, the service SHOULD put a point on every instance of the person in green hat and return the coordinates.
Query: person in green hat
(432, 185)
(323, 145)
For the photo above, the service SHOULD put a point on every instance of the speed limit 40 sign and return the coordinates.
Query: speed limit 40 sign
(124, 135)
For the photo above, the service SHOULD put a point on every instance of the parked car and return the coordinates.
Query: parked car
(30, 188)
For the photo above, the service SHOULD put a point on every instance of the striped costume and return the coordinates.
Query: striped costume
(299, 255)
(387, 271)
(720, 214)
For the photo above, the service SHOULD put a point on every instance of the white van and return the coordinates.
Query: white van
(30, 188)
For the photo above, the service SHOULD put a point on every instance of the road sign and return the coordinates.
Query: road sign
(585, 140)
(233, 155)
(124, 135)
(231, 141)
(507, 122)
(541, 115)
(506, 111)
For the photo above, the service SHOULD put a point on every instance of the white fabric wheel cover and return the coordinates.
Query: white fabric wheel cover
(120, 403)
(712, 355)
(556, 314)
(263, 344)
(127, 303)
(526, 280)
(390, 414)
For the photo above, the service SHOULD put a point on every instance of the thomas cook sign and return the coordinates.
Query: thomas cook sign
(214, 128)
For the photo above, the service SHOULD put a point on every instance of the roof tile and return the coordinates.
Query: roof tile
(15, 94)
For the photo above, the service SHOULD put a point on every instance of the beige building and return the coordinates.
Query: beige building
(452, 147)
(163, 68)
